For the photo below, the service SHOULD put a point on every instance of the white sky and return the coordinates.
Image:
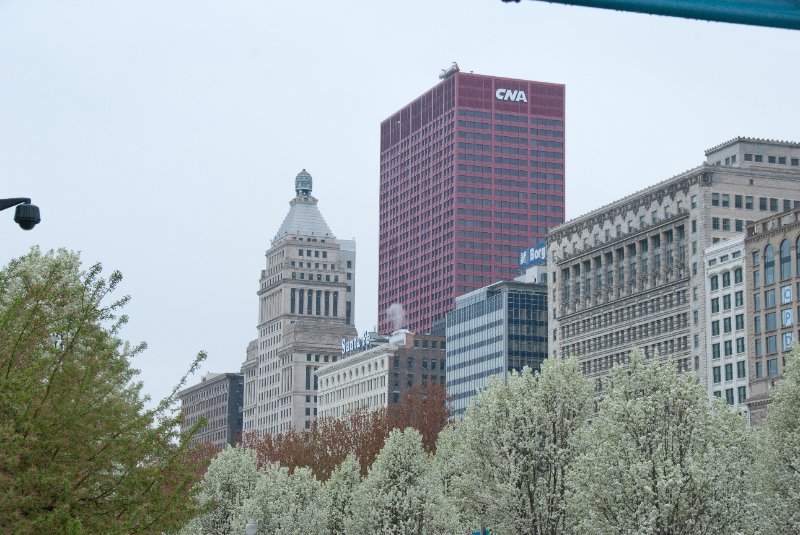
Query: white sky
(163, 137)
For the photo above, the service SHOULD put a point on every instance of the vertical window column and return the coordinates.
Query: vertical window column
(644, 261)
(633, 251)
(657, 253)
(669, 238)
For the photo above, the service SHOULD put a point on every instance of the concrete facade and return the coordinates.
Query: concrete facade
(631, 274)
(378, 376)
(218, 399)
(305, 309)
(772, 247)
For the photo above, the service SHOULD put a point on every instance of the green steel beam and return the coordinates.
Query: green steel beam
(772, 13)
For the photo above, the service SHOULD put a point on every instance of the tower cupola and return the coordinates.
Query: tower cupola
(302, 184)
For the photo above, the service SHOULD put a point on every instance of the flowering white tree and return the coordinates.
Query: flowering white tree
(660, 459)
(231, 478)
(451, 468)
(779, 469)
(515, 449)
(284, 504)
(338, 494)
(401, 495)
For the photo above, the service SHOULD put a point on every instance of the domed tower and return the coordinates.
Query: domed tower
(305, 294)
(304, 217)
(302, 184)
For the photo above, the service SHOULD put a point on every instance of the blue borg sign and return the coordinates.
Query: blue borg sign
(535, 256)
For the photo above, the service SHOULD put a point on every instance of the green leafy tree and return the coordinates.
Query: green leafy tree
(79, 450)
(778, 481)
(506, 464)
(660, 459)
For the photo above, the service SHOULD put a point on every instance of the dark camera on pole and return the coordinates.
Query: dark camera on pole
(26, 215)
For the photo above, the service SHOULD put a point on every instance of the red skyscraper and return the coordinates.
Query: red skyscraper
(472, 172)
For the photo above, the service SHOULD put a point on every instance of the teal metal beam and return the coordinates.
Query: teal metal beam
(772, 13)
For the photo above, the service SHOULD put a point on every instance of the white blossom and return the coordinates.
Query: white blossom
(778, 483)
(514, 449)
(283, 504)
(230, 479)
(401, 494)
(338, 494)
(660, 459)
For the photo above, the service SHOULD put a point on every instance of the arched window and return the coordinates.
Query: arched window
(769, 265)
(797, 252)
(786, 260)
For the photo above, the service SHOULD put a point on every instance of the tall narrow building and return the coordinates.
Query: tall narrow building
(305, 310)
(471, 173)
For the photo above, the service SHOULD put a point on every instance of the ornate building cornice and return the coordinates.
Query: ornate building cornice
(756, 140)
(780, 229)
(632, 203)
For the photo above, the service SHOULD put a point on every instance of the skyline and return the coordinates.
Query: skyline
(156, 140)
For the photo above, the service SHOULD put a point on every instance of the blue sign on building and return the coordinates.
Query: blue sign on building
(535, 256)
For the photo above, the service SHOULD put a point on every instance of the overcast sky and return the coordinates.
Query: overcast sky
(162, 138)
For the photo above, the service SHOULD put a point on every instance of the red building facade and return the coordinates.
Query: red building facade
(472, 172)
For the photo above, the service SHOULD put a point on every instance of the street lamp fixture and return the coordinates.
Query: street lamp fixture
(26, 215)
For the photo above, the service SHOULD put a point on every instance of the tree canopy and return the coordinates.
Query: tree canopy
(778, 486)
(661, 459)
(508, 460)
(80, 451)
(360, 432)
(401, 495)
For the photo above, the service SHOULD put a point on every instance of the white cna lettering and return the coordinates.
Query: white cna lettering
(511, 94)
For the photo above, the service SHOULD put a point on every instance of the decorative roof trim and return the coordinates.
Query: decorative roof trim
(740, 139)
(658, 191)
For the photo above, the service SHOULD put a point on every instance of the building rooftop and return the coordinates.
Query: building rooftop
(304, 218)
(740, 139)
(207, 379)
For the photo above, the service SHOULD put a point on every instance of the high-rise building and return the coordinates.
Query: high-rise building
(633, 273)
(218, 399)
(772, 249)
(471, 172)
(492, 331)
(305, 309)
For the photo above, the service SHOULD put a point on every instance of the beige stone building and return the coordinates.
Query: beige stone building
(376, 376)
(631, 274)
(305, 309)
(772, 247)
